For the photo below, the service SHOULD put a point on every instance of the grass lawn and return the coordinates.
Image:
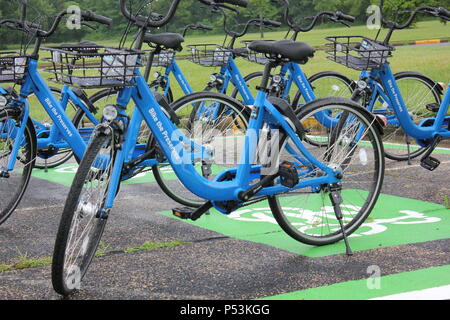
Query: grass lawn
(424, 30)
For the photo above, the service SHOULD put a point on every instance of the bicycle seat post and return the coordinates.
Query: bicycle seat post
(151, 57)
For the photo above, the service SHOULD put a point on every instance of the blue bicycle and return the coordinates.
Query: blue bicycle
(22, 139)
(317, 195)
(409, 102)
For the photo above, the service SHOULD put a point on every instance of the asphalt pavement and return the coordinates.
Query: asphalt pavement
(199, 262)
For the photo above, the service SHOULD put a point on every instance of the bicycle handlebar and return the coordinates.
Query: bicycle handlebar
(439, 12)
(337, 17)
(264, 22)
(34, 28)
(154, 20)
(271, 23)
(92, 16)
(333, 16)
(345, 17)
(201, 27)
(444, 13)
(196, 27)
(17, 24)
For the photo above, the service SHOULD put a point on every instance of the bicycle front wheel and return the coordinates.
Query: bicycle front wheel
(355, 149)
(84, 218)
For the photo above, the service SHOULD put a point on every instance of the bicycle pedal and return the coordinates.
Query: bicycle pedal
(193, 214)
(430, 163)
(288, 175)
(183, 213)
(4, 174)
(433, 107)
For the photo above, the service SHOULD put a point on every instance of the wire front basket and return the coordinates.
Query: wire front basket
(13, 67)
(358, 53)
(210, 55)
(92, 66)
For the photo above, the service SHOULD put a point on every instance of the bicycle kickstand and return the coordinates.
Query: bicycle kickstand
(336, 200)
(408, 146)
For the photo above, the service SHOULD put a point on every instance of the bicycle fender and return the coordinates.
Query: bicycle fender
(162, 101)
(285, 109)
(81, 94)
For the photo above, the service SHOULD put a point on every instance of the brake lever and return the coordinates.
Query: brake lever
(83, 23)
(345, 23)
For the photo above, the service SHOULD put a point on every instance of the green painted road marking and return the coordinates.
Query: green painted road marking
(388, 285)
(394, 221)
(438, 150)
(65, 174)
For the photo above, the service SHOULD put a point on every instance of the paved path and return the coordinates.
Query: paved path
(212, 263)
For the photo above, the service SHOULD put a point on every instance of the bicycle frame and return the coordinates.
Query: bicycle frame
(179, 77)
(172, 143)
(389, 92)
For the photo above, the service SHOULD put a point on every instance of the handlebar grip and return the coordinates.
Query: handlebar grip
(272, 23)
(346, 17)
(444, 12)
(92, 16)
(239, 3)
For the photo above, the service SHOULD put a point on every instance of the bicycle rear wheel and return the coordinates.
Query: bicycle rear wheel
(354, 148)
(83, 220)
(13, 184)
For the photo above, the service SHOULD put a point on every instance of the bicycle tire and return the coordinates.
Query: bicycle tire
(63, 280)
